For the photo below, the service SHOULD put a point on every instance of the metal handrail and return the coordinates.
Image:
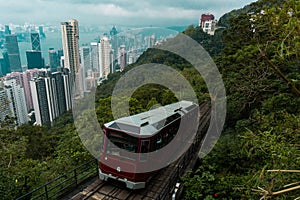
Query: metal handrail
(74, 176)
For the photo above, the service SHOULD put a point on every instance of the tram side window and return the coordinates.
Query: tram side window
(159, 142)
(122, 141)
(144, 149)
(162, 140)
(172, 118)
(165, 136)
(145, 146)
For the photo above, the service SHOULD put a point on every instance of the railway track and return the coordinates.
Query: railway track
(162, 184)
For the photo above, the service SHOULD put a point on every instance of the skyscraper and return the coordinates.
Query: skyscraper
(67, 87)
(50, 95)
(14, 75)
(60, 53)
(5, 64)
(12, 47)
(16, 101)
(122, 57)
(95, 56)
(6, 106)
(28, 75)
(60, 93)
(34, 59)
(114, 40)
(23, 79)
(4, 69)
(53, 60)
(112, 62)
(85, 58)
(104, 57)
(70, 37)
(7, 30)
(40, 100)
(41, 31)
(61, 58)
(35, 42)
(113, 31)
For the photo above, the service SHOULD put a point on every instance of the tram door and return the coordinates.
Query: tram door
(145, 144)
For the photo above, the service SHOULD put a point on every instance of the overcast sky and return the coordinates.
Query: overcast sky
(117, 12)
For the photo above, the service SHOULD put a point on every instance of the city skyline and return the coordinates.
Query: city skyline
(118, 12)
(47, 88)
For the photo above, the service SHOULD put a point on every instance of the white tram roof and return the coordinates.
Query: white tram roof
(150, 122)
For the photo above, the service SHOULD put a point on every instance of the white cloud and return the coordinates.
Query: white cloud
(108, 10)
(128, 12)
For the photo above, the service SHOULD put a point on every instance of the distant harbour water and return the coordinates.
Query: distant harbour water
(53, 40)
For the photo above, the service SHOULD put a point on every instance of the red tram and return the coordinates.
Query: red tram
(132, 144)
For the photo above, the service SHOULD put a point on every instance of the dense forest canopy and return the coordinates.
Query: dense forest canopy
(261, 69)
(257, 51)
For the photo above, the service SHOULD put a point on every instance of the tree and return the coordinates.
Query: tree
(260, 68)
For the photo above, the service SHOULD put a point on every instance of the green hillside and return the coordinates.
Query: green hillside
(260, 67)
(258, 55)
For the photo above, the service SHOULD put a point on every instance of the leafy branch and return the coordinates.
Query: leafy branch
(278, 71)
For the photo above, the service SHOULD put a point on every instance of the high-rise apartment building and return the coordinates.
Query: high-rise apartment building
(85, 58)
(112, 61)
(23, 80)
(13, 104)
(67, 88)
(104, 57)
(40, 100)
(95, 56)
(12, 47)
(70, 39)
(15, 75)
(6, 106)
(53, 60)
(122, 57)
(29, 75)
(59, 91)
(50, 95)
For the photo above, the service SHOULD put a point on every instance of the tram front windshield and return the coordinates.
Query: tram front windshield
(121, 141)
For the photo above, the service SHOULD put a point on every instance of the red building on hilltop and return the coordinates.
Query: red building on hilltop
(208, 23)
